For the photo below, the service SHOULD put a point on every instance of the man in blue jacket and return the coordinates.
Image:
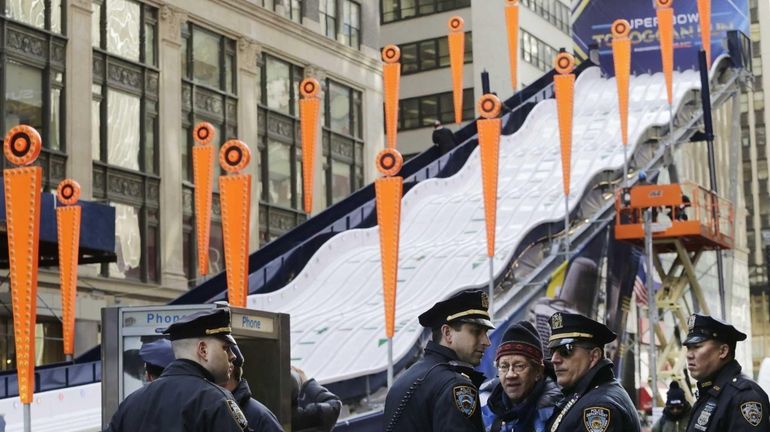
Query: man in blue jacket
(523, 396)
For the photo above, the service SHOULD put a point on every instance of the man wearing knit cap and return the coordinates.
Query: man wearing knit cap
(186, 397)
(440, 392)
(676, 412)
(523, 396)
(260, 418)
(593, 399)
(727, 399)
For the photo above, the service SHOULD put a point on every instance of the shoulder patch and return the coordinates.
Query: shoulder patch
(235, 411)
(466, 399)
(596, 419)
(752, 412)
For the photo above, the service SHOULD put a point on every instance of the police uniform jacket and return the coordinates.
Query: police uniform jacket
(597, 403)
(730, 402)
(438, 393)
(183, 398)
(260, 418)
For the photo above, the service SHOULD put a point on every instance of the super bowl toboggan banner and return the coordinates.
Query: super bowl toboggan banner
(592, 19)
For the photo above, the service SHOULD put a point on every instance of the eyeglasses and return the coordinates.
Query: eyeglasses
(566, 350)
(517, 368)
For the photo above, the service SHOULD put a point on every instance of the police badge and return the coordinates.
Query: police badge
(556, 321)
(691, 322)
(705, 416)
(465, 399)
(596, 419)
(752, 412)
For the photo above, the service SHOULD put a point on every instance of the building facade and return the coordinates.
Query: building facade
(420, 28)
(115, 88)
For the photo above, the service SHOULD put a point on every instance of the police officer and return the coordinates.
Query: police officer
(593, 399)
(440, 392)
(157, 355)
(185, 396)
(727, 399)
(260, 418)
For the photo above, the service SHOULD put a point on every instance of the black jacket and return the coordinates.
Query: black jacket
(730, 402)
(438, 393)
(260, 418)
(444, 139)
(316, 409)
(183, 398)
(596, 402)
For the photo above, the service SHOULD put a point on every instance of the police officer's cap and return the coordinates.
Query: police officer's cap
(206, 323)
(703, 327)
(570, 328)
(465, 307)
(157, 353)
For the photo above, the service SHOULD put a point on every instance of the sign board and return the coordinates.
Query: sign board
(591, 20)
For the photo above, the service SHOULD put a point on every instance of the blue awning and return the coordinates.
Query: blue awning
(97, 232)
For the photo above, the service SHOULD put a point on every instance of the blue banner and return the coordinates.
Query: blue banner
(591, 20)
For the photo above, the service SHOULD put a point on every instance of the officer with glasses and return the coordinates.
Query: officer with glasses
(593, 399)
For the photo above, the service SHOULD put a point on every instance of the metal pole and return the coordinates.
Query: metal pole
(27, 418)
(390, 362)
(566, 228)
(625, 165)
(491, 286)
(651, 307)
(668, 156)
(638, 347)
(708, 127)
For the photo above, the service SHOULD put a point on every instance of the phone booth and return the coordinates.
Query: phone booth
(263, 338)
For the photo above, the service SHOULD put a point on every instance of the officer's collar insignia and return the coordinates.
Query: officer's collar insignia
(466, 399)
(484, 300)
(556, 321)
(237, 414)
(752, 412)
(596, 419)
(691, 322)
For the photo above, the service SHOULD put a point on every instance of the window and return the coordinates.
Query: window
(430, 54)
(32, 74)
(351, 24)
(536, 52)
(124, 138)
(208, 94)
(342, 141)
(397, 10)
(553, 11)
(291, 9)
(327, 10)
(423, 111)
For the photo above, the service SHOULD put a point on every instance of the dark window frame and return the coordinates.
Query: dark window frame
(438, 6)
(444, 112)
(439, 59)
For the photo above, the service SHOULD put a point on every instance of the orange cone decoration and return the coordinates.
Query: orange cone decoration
(512, 25)
(457, 61)
(564, 87)
(704, 12)
(22, 212)
(309, 107)
(235, 200)
(203, 159)
(666, 30)
(388, 191)
(391, 76)
(621, 55)
(489, 141)
(68, 231)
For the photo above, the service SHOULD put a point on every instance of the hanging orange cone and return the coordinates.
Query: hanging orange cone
(457, 61)
(665, 14)
(489, 127)
(391, 76)
(621, 56)
(704, 13)
(564, 87)
(22, 213)
(512, 25)
(309, 108)
(68, 232)
(388, 191)
(235, 200)
(203, 160)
